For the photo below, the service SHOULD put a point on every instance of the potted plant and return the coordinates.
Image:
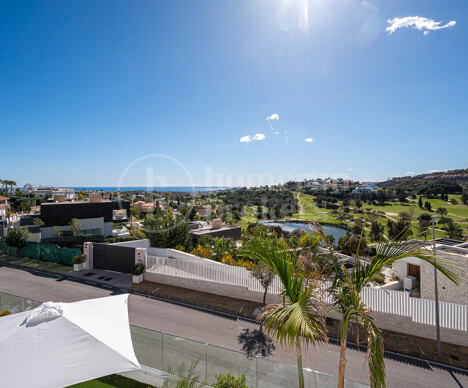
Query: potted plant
(79, 262)
(138, 271)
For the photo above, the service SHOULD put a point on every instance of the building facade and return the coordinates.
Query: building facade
(95, 218)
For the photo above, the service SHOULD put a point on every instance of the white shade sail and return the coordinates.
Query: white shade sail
(59, 344)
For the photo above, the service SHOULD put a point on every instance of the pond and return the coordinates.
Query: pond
(335, 231)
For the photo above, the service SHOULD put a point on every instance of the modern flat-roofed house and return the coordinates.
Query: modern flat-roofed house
(95, 216)
(215, 229)
(47, 191)
(415, 273)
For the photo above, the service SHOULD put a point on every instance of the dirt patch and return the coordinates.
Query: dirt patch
(391, 214)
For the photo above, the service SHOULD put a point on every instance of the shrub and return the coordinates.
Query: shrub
(226, 380)
(378, 278)
(138, 269)
(78, 259)
(180, 248)
(4, 313)
(202, 252)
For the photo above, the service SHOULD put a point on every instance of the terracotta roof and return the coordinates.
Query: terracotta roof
(3, 198)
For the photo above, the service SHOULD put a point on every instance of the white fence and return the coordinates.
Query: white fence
(212, 272)
(452, 316)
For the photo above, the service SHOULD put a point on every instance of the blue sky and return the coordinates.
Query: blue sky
(89, 87)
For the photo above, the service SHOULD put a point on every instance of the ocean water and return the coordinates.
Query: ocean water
(177, 189)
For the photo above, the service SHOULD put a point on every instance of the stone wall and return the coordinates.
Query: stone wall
(448, 291)
(411, 345)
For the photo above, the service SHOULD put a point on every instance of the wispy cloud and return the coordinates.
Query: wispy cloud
(418, 23)
(276, 133)
(259, 137)
(409, 172)
(249, 139)
(272, 117)
(350, 169)
(309, 140)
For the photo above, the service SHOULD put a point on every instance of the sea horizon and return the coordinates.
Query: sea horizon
(179, 189)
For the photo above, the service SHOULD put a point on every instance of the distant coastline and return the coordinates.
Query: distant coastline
(176, 189)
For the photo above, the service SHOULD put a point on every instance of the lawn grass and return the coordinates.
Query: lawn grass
(37, 265)
(312, 212)
(458, 212)
(111, 381)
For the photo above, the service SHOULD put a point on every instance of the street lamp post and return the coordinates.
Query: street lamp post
(436, 291)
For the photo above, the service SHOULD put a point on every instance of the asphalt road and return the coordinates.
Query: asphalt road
(217, 330)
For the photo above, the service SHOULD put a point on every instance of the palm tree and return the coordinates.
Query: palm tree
(5, 182)
(345, 291)
(297, 323)
(12, 183)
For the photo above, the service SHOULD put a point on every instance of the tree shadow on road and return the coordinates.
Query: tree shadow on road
(255, 343)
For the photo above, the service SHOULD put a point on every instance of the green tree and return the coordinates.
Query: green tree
(423, 228)
(453, 231)
(464, 198)
(297, 323)
(167, 232)
(376, 233)
(428, 206)
(259, 212)
(347, 286)
(227, 380)
(420, 203)
(38, 222)
(74, 225)
(265, 275)
(442, 211)
(18, 237)
(222, 246)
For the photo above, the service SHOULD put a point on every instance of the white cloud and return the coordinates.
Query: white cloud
(273, 116)
(249, 139)
(259, 137)
(433, 171)
(418, 23)
(409, 173)
(350, 169)
(309, 140)
(276, 133)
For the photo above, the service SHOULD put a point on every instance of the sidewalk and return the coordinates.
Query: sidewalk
(102, 277)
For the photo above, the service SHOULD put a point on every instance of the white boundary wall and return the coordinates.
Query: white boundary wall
(223, 279)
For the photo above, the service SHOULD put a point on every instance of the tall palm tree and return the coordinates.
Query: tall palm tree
(5, 183)
(297, 323)
(345, 291)
(12, 183)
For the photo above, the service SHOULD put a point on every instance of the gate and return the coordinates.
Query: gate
(113, 258)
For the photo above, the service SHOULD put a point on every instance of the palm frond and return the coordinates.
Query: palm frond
(299, 321)
(275, 253)
(375, 351)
